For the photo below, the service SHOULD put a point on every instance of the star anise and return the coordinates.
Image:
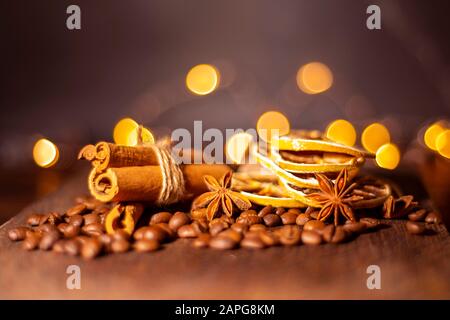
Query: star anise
(333, 197)
(220, 195)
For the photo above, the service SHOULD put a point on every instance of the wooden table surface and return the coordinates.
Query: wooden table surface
(411, 267)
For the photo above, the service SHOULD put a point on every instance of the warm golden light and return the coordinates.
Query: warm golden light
(314, 77)
(431, 135)
(374, 136)
(123, 129)
(388, 156)
(238, 147)
(146, 137)
(341, 131)
(272, 124)
(45, 153)
(443, 143)
(203, 79)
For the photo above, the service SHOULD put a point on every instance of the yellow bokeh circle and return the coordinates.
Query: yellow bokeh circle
(341, 131)
(272, 124)
(45, 153)
(374, 136)
(146, 137)
(314, 78)
(443, 144)
(388, 156)
(203, 79)
(238, 147)
(431, 135)
(123, 129)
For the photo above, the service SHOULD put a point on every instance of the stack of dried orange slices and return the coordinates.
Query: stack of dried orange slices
(288, 171)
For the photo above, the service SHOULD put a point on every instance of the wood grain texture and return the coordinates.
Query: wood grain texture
(412, 267)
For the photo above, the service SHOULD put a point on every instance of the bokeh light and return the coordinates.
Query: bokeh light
(203, 79)
(443, 143)
(123, 129)
(388, 156)
(238, 147)
(146, 136)
(374, 136)
(272, 124)
(341, 131)
(45, 153)
(431, 135)
(314, 78)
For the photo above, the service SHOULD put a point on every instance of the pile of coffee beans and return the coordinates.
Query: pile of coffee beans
(80, 230)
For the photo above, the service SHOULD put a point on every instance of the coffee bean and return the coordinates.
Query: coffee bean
(217, 226)
(62, 226)
(151, 233)
(433, 217)
(328, 232)
(94, 229)
(102, 218)
(371, 223)
(252, 243)
(160, 217)
(78, 209)
(59, 246)
(120, 246)
(31, 241)
(288, 218)
(53, 218)
(105, 239)
(83, 239)
(314, 214)
(72, 247)
(222, 243)
(297, 211)
(310, 210)
(355, 227)
(91, 248)
(418, 215)
(247, 213)
(34, 219)
(186, 231)
(48, 239)
(314, 225)
(249, 219)
(76, 220)
(227, 219)
(289, 235)
(279, 211)
(201, 226)
(102, 210)
(71, 231)
(239, 227)
(120, 235)
(92, 203)
(179, 219)
(18, 234)
(272, 220)
(302, 219)
(91, 218)
(311, 237)
(202, 241)
(232, 234)
(415, 227)
(265, 211)
(269, 238)
(145, 245)
(45, 228)
(169, 233)
(257, 227)
(334, 234)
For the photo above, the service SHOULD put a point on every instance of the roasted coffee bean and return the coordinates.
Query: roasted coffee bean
(72, 247)
(170, 234)
(272, 220)
(91, 248)
(418, 215)
(328, 232)
(120, 235)
(59, 246)
(78, 209)
(247, 213)
(265, 211)
(120, 246)
(227, 219)
(230, 233)
(18, 234)
(31, 241)
(311, 237)
(297, 211)
(334, 234)
(71, 231)
(76, 220)
(249, 219)
(288, 218)
(145, 245)
(302, 219)
(80, 199)
(151, 233)
(269, 238)
(433, 217)
(179, 219)
(48, 240)
(102, 218)
(106, 240)
(62, 226)
(252, 243)
(91, 218)
(279, 211)
(83, 239)
(314, 225)
(257, 227)
(34, 219)
(314, 214)
(371, 223)
(92, 203)
(415, 227)
(310, 210)
(94, 229)
(202, 241)
(186, 231)
(44, 228)
(217, 226)
(355, 227)
(160, 217)
(239, 227)
(289, 235)
(222, 243)
(102, 210)
(53, 218)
